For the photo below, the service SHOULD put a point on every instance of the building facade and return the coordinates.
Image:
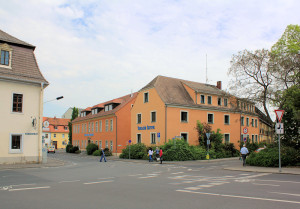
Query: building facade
(168, 108)
(68, 113)
(21, 107)
(106, 124)
(56, 132)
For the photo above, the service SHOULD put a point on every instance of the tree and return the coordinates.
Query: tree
(202, 129)
(252, 77)
(285, 61)
(75, 113)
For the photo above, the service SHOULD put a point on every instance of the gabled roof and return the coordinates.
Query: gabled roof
(24, 66)
(172, 90)
(57, 121)
(122, 101)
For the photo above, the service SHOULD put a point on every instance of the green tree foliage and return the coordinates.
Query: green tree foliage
(137, 151)
(91, 148)
(75, 113)
(203, 129)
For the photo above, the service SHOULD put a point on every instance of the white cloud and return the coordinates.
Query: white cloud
(93, 51)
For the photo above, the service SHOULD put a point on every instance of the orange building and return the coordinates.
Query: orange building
(106, 124)
(170, 107)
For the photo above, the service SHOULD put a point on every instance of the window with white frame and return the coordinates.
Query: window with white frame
(92, 128)
(210, 118)
(256, 138)
(85, 129)
(106, 144)
(184, 116)
(252, 122)
(63, 135)
(138, 138)
(146, 97)
(100, 125)
(96, 126)
(139, 118)
(202, 99)
(89, 127)
(227, 138)
(219, 101)
(225, 102)
(153, 117)
(111, 146)
(242, 121)
(16, 143)
(100, 144)
(247, 121)
(111, 125)
(209, 101)
(226, 119)
(252, 138)
(153, 138)
(184, 136)
(106, 125)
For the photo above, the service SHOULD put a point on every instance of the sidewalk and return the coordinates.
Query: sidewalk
(284, 170)
(51, 162)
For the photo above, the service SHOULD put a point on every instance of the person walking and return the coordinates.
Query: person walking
(157, 154)
(150, 153)
(244, 151)
(102, 155)
(161, 155)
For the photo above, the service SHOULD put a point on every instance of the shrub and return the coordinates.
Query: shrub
(74, 149)
(97, 153)
(137, 151)
(270, 157)
(91, 148)
(69, 147)
(77, 151)
(107, 152)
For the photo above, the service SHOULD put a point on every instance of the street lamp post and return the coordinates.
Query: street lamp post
(57, 98)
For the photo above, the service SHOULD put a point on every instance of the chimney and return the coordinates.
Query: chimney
(219, 85)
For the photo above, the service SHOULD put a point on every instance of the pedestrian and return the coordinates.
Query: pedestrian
(244, 152)
(150, 153)
(157, 154)
(102, 155)
(161, 155)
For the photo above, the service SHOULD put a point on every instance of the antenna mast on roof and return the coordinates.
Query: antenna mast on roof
(206, 70)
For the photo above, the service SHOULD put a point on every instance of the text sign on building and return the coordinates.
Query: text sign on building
(88, 134)
(279, 114)
(140, 128)
(279, 128)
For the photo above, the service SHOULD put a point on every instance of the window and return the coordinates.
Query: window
(100, 125)
(238, 104)
(247, 107)
(139, 118)
(255, 122)
(63, 135)
(219, 101)
(111, 146)
(139, 138)
(54, 135)
(85, 128)
(252, 138)
(256, 138)
(202, 99)
(111, 125)
(242, 121)
(252, 122)
(146, 97)
(183, 116)
(82, 128)
(106, 144)
(247, 121)
(106, 125)
(46, 135)
(4, 57)
(17, 102)
(208, 99)
(89, 127)
(96, 126)
(210, 118)
(66, 128)
(100, 144)
(226, 119)
(225, 102)
(153, 138)
(92, 129)
(153, 117)
(227, 138)
(184, 136)
(55, 127)
(16, 143)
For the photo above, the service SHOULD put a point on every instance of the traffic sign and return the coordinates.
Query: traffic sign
(245, 137)
(158, 134)
(129, 141)
(208, 142)
(279, 128)
(279, 114)
(207, 135)
(245, 130)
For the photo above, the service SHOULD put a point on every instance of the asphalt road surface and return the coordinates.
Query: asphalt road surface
(84, 182)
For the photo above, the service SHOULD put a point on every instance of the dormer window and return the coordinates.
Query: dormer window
(108, 107)
(4, 57)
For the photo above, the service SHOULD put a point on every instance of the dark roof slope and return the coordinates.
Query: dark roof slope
(24, 66)
(172, 90)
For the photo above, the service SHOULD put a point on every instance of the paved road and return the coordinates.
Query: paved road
(84, 182)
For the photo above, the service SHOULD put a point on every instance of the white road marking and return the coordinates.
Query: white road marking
(178, 172)
(22, 185)
(107, 178)
(146, 177)
(22, 189)
(98, 182)
(274, 185)
(294, 182)
(298, 195)
(136, 175)
(68, 181)
(242, 197)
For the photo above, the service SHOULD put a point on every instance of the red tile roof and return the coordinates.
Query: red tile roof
(60, 123)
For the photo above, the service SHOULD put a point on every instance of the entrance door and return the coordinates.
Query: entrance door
(55, 144)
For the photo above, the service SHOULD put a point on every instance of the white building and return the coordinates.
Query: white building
(21, 105)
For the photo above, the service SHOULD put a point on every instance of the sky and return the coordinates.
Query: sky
(93, 51)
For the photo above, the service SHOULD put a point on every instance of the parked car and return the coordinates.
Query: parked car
(51, 149)
(259, 149)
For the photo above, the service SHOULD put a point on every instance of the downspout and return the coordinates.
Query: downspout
(116, 136)
(40, 123)
(165, 123)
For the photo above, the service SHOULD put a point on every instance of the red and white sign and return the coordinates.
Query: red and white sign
(279, 114)
(245, 130)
